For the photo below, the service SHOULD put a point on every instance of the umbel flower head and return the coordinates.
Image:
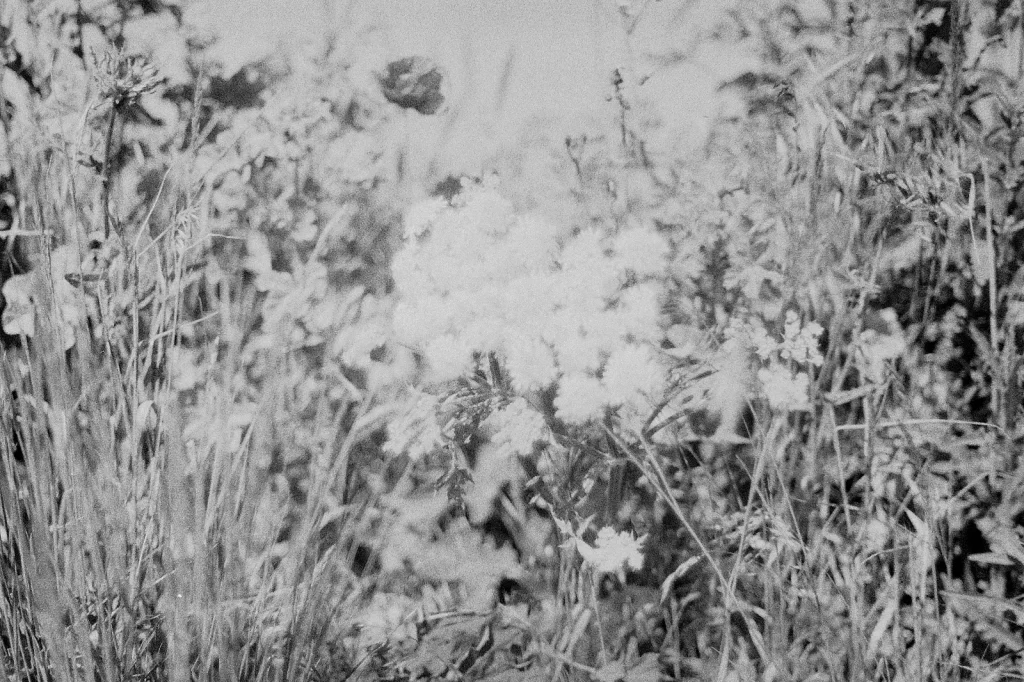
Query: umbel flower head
(124, 79)
(579, 312)
(784, 377)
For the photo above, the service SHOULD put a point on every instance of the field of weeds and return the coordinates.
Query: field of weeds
(272, 407)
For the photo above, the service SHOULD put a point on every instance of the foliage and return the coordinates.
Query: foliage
(750, 413)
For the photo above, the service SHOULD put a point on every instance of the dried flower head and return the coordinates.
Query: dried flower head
(413, 83)
(124, 79)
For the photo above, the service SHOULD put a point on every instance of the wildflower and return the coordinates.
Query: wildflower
(577, 351)
(422, 215)
(638, 312)
(612, 552)
(641, 251)
(123, 79)
(877, 347)
(46, 292)
(876, 535)
(449, 356)
(764, 344)
(800, 344)
(413, 83)
(530, 363)
(633, 375)
(517, 427)
(580, 398)
(476, 278)
(785, 390)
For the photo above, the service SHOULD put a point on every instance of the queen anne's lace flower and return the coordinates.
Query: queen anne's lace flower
(612, 552)
(530, 364)
(422, 215)
(449, 356)
(800, 343)
(784, 389)
(764, 344)
(580, 398)
(476, 279)
(633, 376)
(876, 348)
(641, 251)
(517, 428)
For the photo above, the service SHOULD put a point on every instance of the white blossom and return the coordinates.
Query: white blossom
(641, 250)
(422, 215)
(764, 344)
(875, 349)
(516, 428)
(800, 343)
(530, 364)
(448, 356)
(474, 278)
(633, 375)
(785, 390)
(580, 398)
(612, 552)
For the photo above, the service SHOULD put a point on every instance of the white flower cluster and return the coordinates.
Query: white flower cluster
(517, 427)
(415, 430)
(877, 347)
(580, 311)
(785, 379)
(799, 342)
(25, 298)
(612, 552)
(785, 389)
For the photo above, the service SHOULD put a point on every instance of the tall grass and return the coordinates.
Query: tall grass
(146, 532)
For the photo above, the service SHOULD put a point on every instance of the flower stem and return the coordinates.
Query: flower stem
(107, 153)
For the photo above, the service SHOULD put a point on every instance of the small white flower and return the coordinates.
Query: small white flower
(639, 311)
(641, 250)
(422, 215)
(878, 347)
(800, 344)
(785, 391)
(764, 344)
(612, 552)
(448, 356)
(530, 363)
(577, 351)
(876, 351)
(580, 398)
(632, 374)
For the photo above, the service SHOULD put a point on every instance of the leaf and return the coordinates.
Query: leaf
(613, 672)
(438, 651)
(992, 558)
(19, 317)
(1002, 540)
(681, 570)
(647, 670)
(528, 675)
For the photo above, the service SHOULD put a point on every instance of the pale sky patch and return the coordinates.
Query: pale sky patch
(508, 66)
